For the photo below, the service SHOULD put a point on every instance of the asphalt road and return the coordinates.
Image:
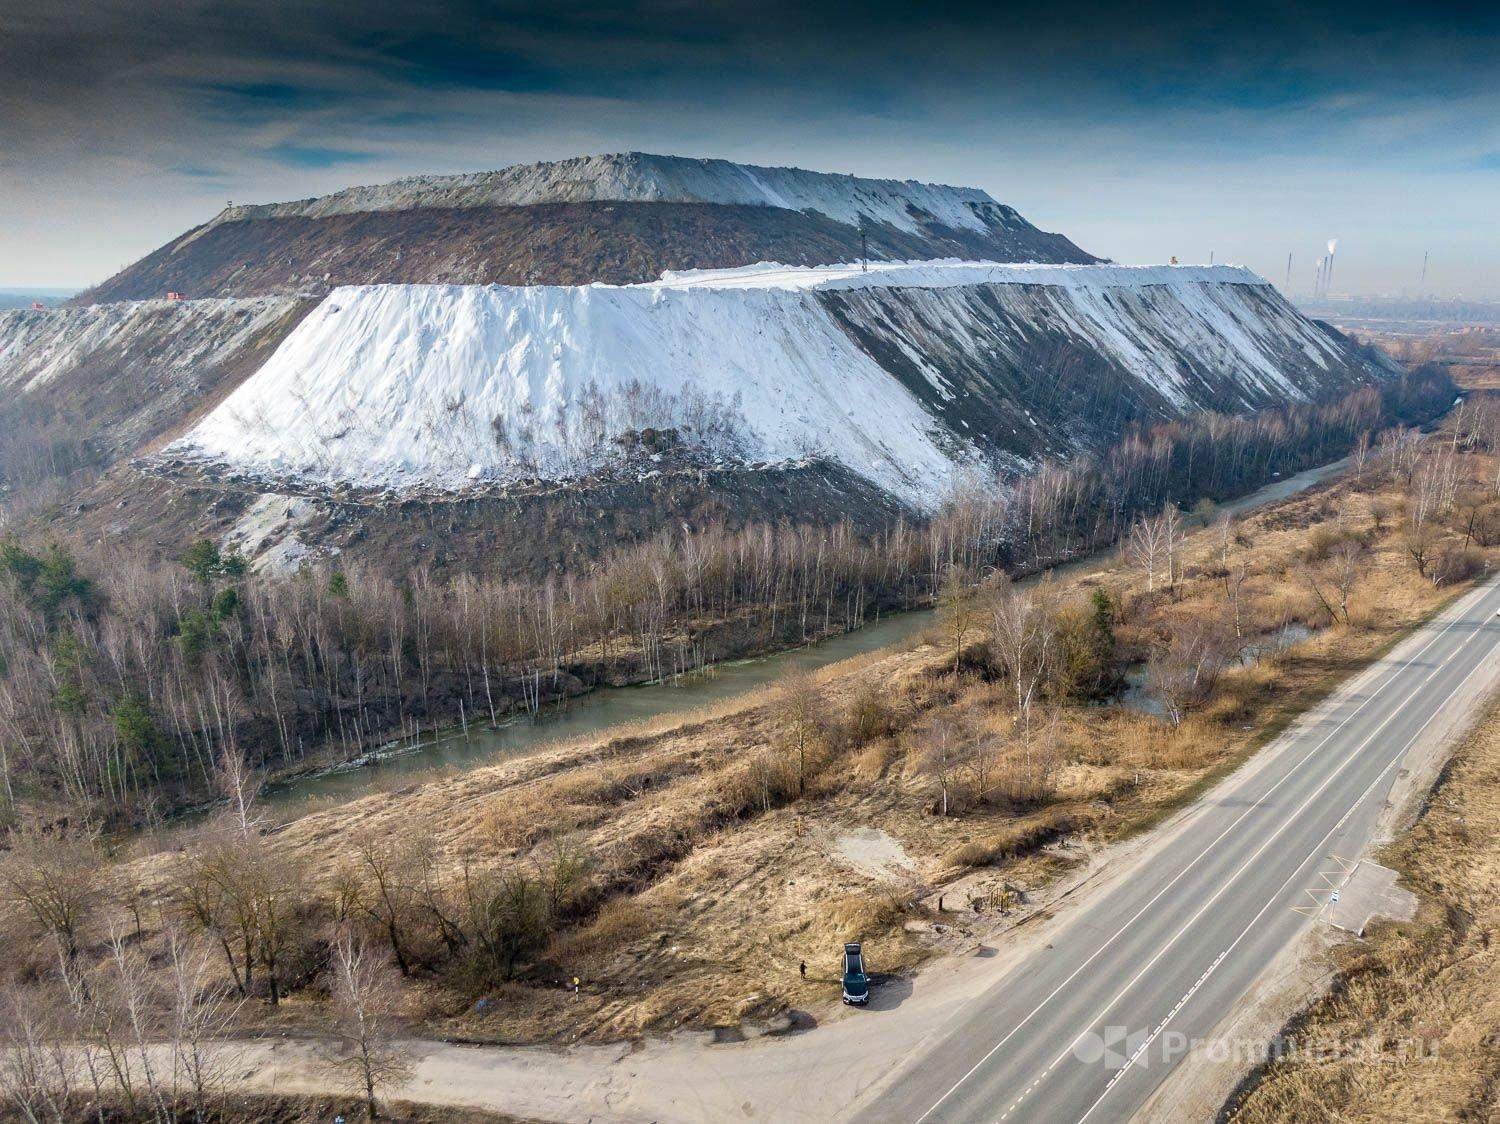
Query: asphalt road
(1087, 1027)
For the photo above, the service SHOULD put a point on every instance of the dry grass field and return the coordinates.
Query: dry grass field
(1469, 354)
(716, 855)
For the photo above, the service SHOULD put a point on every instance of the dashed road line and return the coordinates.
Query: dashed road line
(1462, 609)
(1342, 820)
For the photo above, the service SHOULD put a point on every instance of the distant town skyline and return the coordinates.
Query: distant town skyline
(1245, 132)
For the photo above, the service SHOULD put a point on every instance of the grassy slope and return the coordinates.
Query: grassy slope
(692, 875)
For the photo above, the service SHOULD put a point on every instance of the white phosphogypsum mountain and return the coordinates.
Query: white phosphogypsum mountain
(38, 346)
(908, 374)
(538, 363)
(116, 375)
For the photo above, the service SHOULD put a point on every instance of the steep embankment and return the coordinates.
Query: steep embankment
(412, 419)
(119, 375)
(907, 375)
(619, 219)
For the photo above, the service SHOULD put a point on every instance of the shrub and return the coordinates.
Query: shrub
(1012, 842)
(619, 921)
(875, 759)
(1320, 543)
(507, 916)
(1457, 564)
(870, 716)
(862, 916)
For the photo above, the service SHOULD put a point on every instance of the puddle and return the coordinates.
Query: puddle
(1137, 695)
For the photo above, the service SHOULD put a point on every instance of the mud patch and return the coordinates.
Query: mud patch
(873, 853)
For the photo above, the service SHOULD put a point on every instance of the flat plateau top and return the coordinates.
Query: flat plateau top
(943, 273)
(947, 272)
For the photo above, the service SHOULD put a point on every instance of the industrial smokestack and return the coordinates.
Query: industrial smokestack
(1288, 285)
(1333, 245)
(1422, 284)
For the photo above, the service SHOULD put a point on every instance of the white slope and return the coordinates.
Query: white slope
(38, 346)
(405, 385)
(1148, 318)
(442, 386)
(646, 178)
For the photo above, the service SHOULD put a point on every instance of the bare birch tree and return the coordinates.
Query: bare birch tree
(957, 612)
(942, 752)
(201, 1010)
(371, 1061)
(798, 706)
(54, 877)
(1184, 671)
(1023, 635)
(1148, 549)
(36, 1075)
(1347, 563)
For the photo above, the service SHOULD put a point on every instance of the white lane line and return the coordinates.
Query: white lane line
(1477, 594)
(1313, 854)
(1285, 823)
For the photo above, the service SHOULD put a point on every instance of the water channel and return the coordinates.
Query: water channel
(602, 710)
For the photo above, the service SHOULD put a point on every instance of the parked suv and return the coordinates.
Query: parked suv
(856, 982)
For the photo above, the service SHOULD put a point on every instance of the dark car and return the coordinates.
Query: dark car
(856, 982)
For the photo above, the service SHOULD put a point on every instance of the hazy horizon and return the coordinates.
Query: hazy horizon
(1243, 132)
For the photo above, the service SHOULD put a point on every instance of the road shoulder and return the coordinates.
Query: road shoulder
(1199, 1087)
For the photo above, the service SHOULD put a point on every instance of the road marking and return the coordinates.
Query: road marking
(1477, 595)
(1342, 820)
(1332, 880)
(1313, 796)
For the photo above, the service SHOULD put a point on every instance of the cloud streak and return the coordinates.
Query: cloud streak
(132, 120)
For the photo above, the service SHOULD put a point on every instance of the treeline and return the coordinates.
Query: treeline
(122, 684)
(1063, 511)
(160, 957)
(39, 448)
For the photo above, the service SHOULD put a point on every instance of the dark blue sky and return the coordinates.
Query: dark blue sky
(1142, 131)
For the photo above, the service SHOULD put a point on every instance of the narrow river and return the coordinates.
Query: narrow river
(602, 710)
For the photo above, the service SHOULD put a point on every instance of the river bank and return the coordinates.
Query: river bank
(698, 849)
(596, 712)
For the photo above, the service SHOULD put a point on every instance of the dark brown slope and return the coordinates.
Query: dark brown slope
(545, 243)
(153, 515)
(1021, 381)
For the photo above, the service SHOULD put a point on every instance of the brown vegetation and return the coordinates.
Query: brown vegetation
(618, 242)
(1470, 354)
(122, 684)
(1408, 1030)
(682, 872)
